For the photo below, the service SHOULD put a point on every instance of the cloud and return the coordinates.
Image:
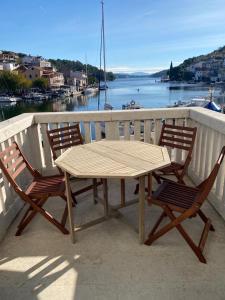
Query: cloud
(127, 69)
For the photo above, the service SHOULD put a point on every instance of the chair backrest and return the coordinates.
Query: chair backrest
(13, 163)
(206, 186)
(64, 138)
(179, 137)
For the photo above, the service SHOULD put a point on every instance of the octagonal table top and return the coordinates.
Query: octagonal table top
(113, 159)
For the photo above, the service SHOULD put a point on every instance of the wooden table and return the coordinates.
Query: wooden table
(112, 159)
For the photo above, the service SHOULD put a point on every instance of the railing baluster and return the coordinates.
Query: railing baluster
(178, 152)
(158, 128)
(98, 135)
(87, 133)
(221, 174)
(170, 151)
(147, 131)
(111, 130)
(127, 130)
(137, 130)
(46, 147)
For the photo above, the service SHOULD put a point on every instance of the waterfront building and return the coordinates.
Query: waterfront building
(32, 72)
(10, 57)
(77, 79)
(55, 79)
(38, 61)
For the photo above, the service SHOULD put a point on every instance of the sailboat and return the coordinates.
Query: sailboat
(103, 87)
(89, 89)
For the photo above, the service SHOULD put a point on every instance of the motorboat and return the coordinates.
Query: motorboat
(90, 91)
(131, 105)
(9, 99)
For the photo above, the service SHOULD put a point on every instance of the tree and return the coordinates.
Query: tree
(41, 83)
(171, 71)
(65, 66)
(11, 82)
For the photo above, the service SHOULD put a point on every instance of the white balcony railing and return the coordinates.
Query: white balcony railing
(29, 130)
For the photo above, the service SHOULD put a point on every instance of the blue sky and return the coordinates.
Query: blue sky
(141, 35)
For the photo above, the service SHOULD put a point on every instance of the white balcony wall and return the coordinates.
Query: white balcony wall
(29, 130)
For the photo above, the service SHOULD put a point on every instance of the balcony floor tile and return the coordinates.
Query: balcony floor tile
(107, 261)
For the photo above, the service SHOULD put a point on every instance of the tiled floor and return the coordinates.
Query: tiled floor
(107, 262)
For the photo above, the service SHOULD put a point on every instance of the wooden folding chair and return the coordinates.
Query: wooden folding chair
(180, 138)
(13, 163)
(175, 197)
(61, 139)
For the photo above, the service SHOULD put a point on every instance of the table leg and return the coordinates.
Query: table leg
(95, 191)
(70, 210)
(105, 197)
(149, 184)
(141, 209)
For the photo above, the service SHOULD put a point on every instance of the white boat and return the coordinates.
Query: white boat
(90, 91)
(108, 106)
(9, 99)
(131, 105)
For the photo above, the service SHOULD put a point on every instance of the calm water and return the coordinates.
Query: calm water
(151, 94)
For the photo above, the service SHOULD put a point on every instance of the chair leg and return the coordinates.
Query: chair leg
(205, 219)
(162, 216)
(52, 220)
(64, 217)
(123, 192)
(157, 177)
(136, 189)
(37, 208)
(148, 189)
(74, 198)
(187, 238)
(27, 218)
(95, 191)
(182, 231)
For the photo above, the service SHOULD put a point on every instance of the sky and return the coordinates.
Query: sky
(141, 35)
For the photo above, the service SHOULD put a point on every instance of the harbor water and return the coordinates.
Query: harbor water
(147, 92)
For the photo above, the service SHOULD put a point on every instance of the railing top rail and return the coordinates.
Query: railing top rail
(211, 119)
(203, 116)
(15, 125)
(115, 115)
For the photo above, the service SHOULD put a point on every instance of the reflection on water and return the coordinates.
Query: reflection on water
(148, 92)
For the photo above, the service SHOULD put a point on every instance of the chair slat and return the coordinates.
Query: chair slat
(65, 134)
(65, 141)
(19, 170)
(177, 133)
(179, 127)
(62, 129)
(7, 150)
(12, 156)
(67, 145)
(172, 139)
(175, 145)
(18, 161)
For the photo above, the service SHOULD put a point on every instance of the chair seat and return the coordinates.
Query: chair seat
(175, 194)
(174, 166)
(51, 186)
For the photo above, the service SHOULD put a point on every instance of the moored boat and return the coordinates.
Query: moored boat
(131, 105)
(9, 99)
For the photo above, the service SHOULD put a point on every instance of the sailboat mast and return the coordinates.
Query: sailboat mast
(103, 44)
(86, 69)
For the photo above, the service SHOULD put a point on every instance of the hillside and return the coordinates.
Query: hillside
(180, 72)
(217, 54)
(65, 65)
